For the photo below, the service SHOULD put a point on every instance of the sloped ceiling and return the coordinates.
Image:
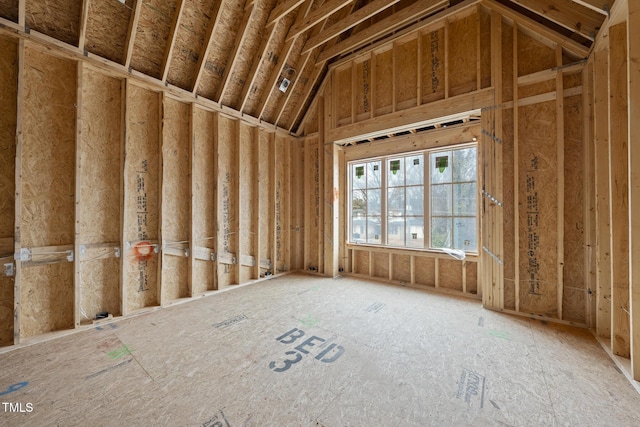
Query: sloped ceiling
(237, 53)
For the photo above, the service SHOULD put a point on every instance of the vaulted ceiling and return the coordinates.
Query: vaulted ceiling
(237, 53)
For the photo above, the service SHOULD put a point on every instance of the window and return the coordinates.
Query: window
(423, 200)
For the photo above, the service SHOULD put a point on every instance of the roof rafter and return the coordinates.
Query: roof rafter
(281, 10)
(318, 15)
(168, 54)
(83, 24)
(600, 6)
(131, 34)
(202, 59)
(232, 58)
(350, 21)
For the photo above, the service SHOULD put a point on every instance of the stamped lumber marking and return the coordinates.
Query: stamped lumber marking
(232, 321)
(14, 387)
(470, 385)
(110, 368)
(330, 354)
(375, 307)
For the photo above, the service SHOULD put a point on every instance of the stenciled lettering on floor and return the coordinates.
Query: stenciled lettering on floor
(228, 322)
(470, 385)
(217, 421)
(330, 354)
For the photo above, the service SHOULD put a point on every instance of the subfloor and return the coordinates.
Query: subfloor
(308, 351)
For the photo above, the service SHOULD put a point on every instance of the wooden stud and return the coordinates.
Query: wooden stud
(516, 171)
(204, 54)
(464, 277)
(255, 218)
(633, 62)
(18, 190)
(82, 35)
(419, 60)
(601, 166)
(412, 268)
(479, 46)
(373, 84)
(131, 34)
(22, 13)
(307, 205)
(436, 272)
(193, 233)
(560, 182)
(394, 85)
(589, 194)
(216, 205)
(236, 200)
(160, 292)
(273, 175)
(77, 278)
(618, 185)
(168, 54)
(124, 188)
(446, 58)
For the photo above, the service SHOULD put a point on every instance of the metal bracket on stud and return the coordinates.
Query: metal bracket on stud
(69, 255)
(9, 269)
(187, 252)
(117, 252)
(24, 255)
(213, 256)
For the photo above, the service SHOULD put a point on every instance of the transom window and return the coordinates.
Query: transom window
(422, 200)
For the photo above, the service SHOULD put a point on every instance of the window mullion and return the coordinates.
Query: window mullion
(383, 202)
(426, 208)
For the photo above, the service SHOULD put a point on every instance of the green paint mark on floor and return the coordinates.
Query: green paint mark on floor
(500, 334)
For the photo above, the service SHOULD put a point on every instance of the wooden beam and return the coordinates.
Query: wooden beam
(193, 232)
(589, 193)
(161, 299)
(236, 200)
(327, 9)
(273, 175)
(443, 110)
(255, 214)
(399, 19)
(560, 183)
(168, 54)
(77, 276)
(601, 6)
(17, 300)
(124, 188)
(281, 10)
(350, 21)
(633, 62)
(22, 13)
(541, 30)
(83, 24)
(233, 57)
(567, 14)
(516, 172)
(204, 53)
(618, 185)
(131, 34)
(292, 88)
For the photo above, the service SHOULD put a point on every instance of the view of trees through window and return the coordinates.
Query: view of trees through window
(388, 204)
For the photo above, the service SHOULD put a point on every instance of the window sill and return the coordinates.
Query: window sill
(428, 253)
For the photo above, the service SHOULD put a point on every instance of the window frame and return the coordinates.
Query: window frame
(426, 185)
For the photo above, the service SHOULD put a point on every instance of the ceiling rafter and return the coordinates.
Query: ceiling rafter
(567, 14)
(318, 15)
(286, 50)
(168, 54)
(600, 6)
(281, 10)
(350, 21)
(404, 16)
(131, 34)
(204, 54)
(84, 16)
(281, 105)
(233, 57)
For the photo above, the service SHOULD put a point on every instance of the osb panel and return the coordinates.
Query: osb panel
(152, 36)
(343, 96)
(450, 274)
(384, 79)
(142, 192)
(268, 62)
(406, 71)
(8, 112)
(107, 28)
(314, 228)
(297, 95)
(248, 196)
(381, 265)
(463, 36)
(264, 193)
(537, 212)
(401, 267)
(47, 294)
(361, 262)
(175, 281)
(574, 297)
(537, 89)
(508, 210)
(100, 286)
(425, 271)
(203, 277)
(59, 19)
(432, 67)
(572, 80)
(227, 208)
(283, 191)
(297, 206)
(507, 62)
(363, 87)
(9, 9)
(100, 158)
(485, 47)
(222, 43)
(189, 44)
(533, 56)
(48, 153)
(176, 185)
(6, 308)
(248, 51)
(472, 277)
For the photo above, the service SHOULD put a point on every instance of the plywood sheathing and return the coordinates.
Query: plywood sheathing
(8, 116)
(204, 202)
(401, 268)
(425, 271)
(432, 67)
(190, 42)
(462, 67)
(224, 36)
(406, 73)
(509, 209)
(282, 206)
(107, 27)
(152, 36)
(176, 213)
(142, 195)
(99, 198)
(383, 90)
(9, 9)
(59, 19)
(450, 274)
